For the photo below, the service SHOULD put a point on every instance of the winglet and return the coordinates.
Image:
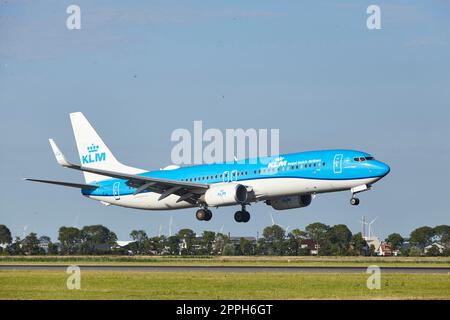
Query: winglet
(58, 154)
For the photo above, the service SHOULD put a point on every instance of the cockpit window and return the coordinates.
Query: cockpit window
(361, 159)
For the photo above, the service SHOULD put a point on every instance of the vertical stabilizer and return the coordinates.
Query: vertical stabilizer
(93, 152)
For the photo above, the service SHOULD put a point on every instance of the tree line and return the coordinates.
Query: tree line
(316, 238)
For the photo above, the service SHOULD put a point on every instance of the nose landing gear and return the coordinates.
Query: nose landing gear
(354, 201)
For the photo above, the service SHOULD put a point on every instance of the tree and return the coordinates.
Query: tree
(395, 240)
(219, 243)
(5, 235)
(97, 239)
(16, 247)
(46, 242)
(358, 244)
(371, 250)
(274, 236)
(229, 250)
(187, 237)
(262, 247)
(173, 245)
(337, 240)
(317, 232)
(442, 234)
(141, 240)
(208, 238)
(415, 252)
(433, 251)
(294, 242)
(70, 239)
(246, 247)
(30, 245)
(422, 237)
(156, 245)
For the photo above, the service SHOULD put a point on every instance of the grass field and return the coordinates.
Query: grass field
(231, 261)
(217, 285)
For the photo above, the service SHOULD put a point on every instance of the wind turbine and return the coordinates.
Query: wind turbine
(170, 226)
(160, 230)
(271, 218)
(24, 231)
(370, 225)
(273, 223)
(363, 226)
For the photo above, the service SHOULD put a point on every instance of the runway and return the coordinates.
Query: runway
(248, 269)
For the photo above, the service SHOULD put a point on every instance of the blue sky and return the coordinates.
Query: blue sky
(140, 69)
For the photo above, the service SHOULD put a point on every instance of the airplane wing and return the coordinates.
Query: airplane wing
(66, 184)
(187, 191)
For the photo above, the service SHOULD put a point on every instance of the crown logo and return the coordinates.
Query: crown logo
(92, 148)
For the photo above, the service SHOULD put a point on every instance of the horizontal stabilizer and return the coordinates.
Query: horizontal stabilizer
(67, 184)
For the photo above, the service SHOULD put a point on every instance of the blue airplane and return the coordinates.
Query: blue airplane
(283, 182)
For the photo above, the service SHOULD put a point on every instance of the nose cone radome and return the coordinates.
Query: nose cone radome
(381, 169)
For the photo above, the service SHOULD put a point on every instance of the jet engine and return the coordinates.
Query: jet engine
(226, 194)
(291, 202)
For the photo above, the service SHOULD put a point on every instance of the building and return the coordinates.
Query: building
(373, 241)
(237, 240)
(310, 245)
(385, 250)
(438, 247)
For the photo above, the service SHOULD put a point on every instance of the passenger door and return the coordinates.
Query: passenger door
(337, 163)
(116, 191)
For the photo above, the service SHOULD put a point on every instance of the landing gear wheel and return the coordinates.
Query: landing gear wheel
(246, 216)
(208, 215)
(354, 201)
(242, 216)
(201, 214)
(238, 215)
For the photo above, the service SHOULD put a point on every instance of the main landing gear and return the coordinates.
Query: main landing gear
(203, 214)
(242, 215)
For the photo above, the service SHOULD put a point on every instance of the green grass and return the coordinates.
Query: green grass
(219, 285)
(231, 261)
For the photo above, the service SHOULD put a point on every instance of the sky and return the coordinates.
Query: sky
(139, 70)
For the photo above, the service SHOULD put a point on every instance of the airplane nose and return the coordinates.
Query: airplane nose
(382, 169)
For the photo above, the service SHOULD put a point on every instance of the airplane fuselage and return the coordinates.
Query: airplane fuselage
(304, 173)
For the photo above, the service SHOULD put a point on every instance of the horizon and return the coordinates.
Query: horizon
(139, 71)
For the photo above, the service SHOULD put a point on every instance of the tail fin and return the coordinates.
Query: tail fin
(93, 151)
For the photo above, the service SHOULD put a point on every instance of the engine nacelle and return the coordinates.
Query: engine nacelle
(290, 202)
(226, 194)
